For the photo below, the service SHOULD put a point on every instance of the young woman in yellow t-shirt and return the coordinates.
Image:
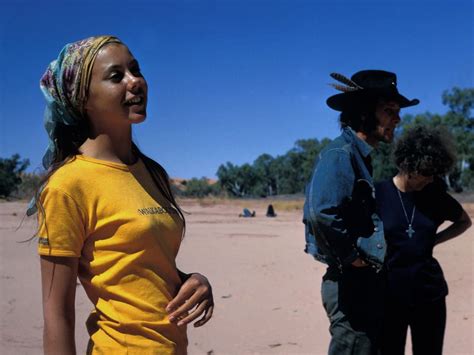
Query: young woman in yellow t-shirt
(107, 213)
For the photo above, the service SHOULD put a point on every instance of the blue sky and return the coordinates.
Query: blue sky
(230, 80)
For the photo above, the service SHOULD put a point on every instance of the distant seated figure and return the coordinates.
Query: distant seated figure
(271, 211)
(247, 213)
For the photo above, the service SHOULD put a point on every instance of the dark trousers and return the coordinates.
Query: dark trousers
(427, 323)
(354, 304)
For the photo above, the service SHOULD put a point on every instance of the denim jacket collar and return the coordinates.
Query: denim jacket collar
(362, 146)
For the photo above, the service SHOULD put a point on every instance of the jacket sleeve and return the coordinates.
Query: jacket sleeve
(331, 187)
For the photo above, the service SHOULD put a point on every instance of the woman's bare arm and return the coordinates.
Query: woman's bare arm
(455, 229)
(58, 279)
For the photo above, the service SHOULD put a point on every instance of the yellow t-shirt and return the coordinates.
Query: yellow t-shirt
(112, 217)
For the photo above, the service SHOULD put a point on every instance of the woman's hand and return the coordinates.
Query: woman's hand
(194, 299)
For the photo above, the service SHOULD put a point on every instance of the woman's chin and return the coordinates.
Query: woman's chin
(137, 118)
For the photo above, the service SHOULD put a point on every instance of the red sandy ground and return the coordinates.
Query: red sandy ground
(267, 291)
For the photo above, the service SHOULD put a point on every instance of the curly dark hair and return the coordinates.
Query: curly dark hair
(425, 150)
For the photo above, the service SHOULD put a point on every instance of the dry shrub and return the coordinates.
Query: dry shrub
(288, 205)
(211, 201)
(291, 204)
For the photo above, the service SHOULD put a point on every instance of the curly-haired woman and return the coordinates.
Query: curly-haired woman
(412, 206)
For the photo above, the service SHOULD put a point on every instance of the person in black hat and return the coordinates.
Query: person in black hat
(343, 229)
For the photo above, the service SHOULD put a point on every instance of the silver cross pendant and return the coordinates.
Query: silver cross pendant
(410, 231)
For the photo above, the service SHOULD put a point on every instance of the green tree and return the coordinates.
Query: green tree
(30, 182)
(10, 174)
(200, 188)
(246, 179)
(265, 179)
(291, 174)
(227, 175)
(460, 101)
(460, 122)
(267, 176)
(310, 149)
(235, 180)
(296, 166)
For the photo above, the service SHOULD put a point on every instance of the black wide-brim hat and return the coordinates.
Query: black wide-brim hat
(366, 86)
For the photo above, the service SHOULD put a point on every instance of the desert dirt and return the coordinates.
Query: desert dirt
(266, 290)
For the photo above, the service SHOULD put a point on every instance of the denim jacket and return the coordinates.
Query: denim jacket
(339, 211)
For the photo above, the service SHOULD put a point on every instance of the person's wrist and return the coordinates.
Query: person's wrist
(351, 258)
(185, 276)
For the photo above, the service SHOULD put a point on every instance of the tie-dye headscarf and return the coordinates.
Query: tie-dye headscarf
(65, 86)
